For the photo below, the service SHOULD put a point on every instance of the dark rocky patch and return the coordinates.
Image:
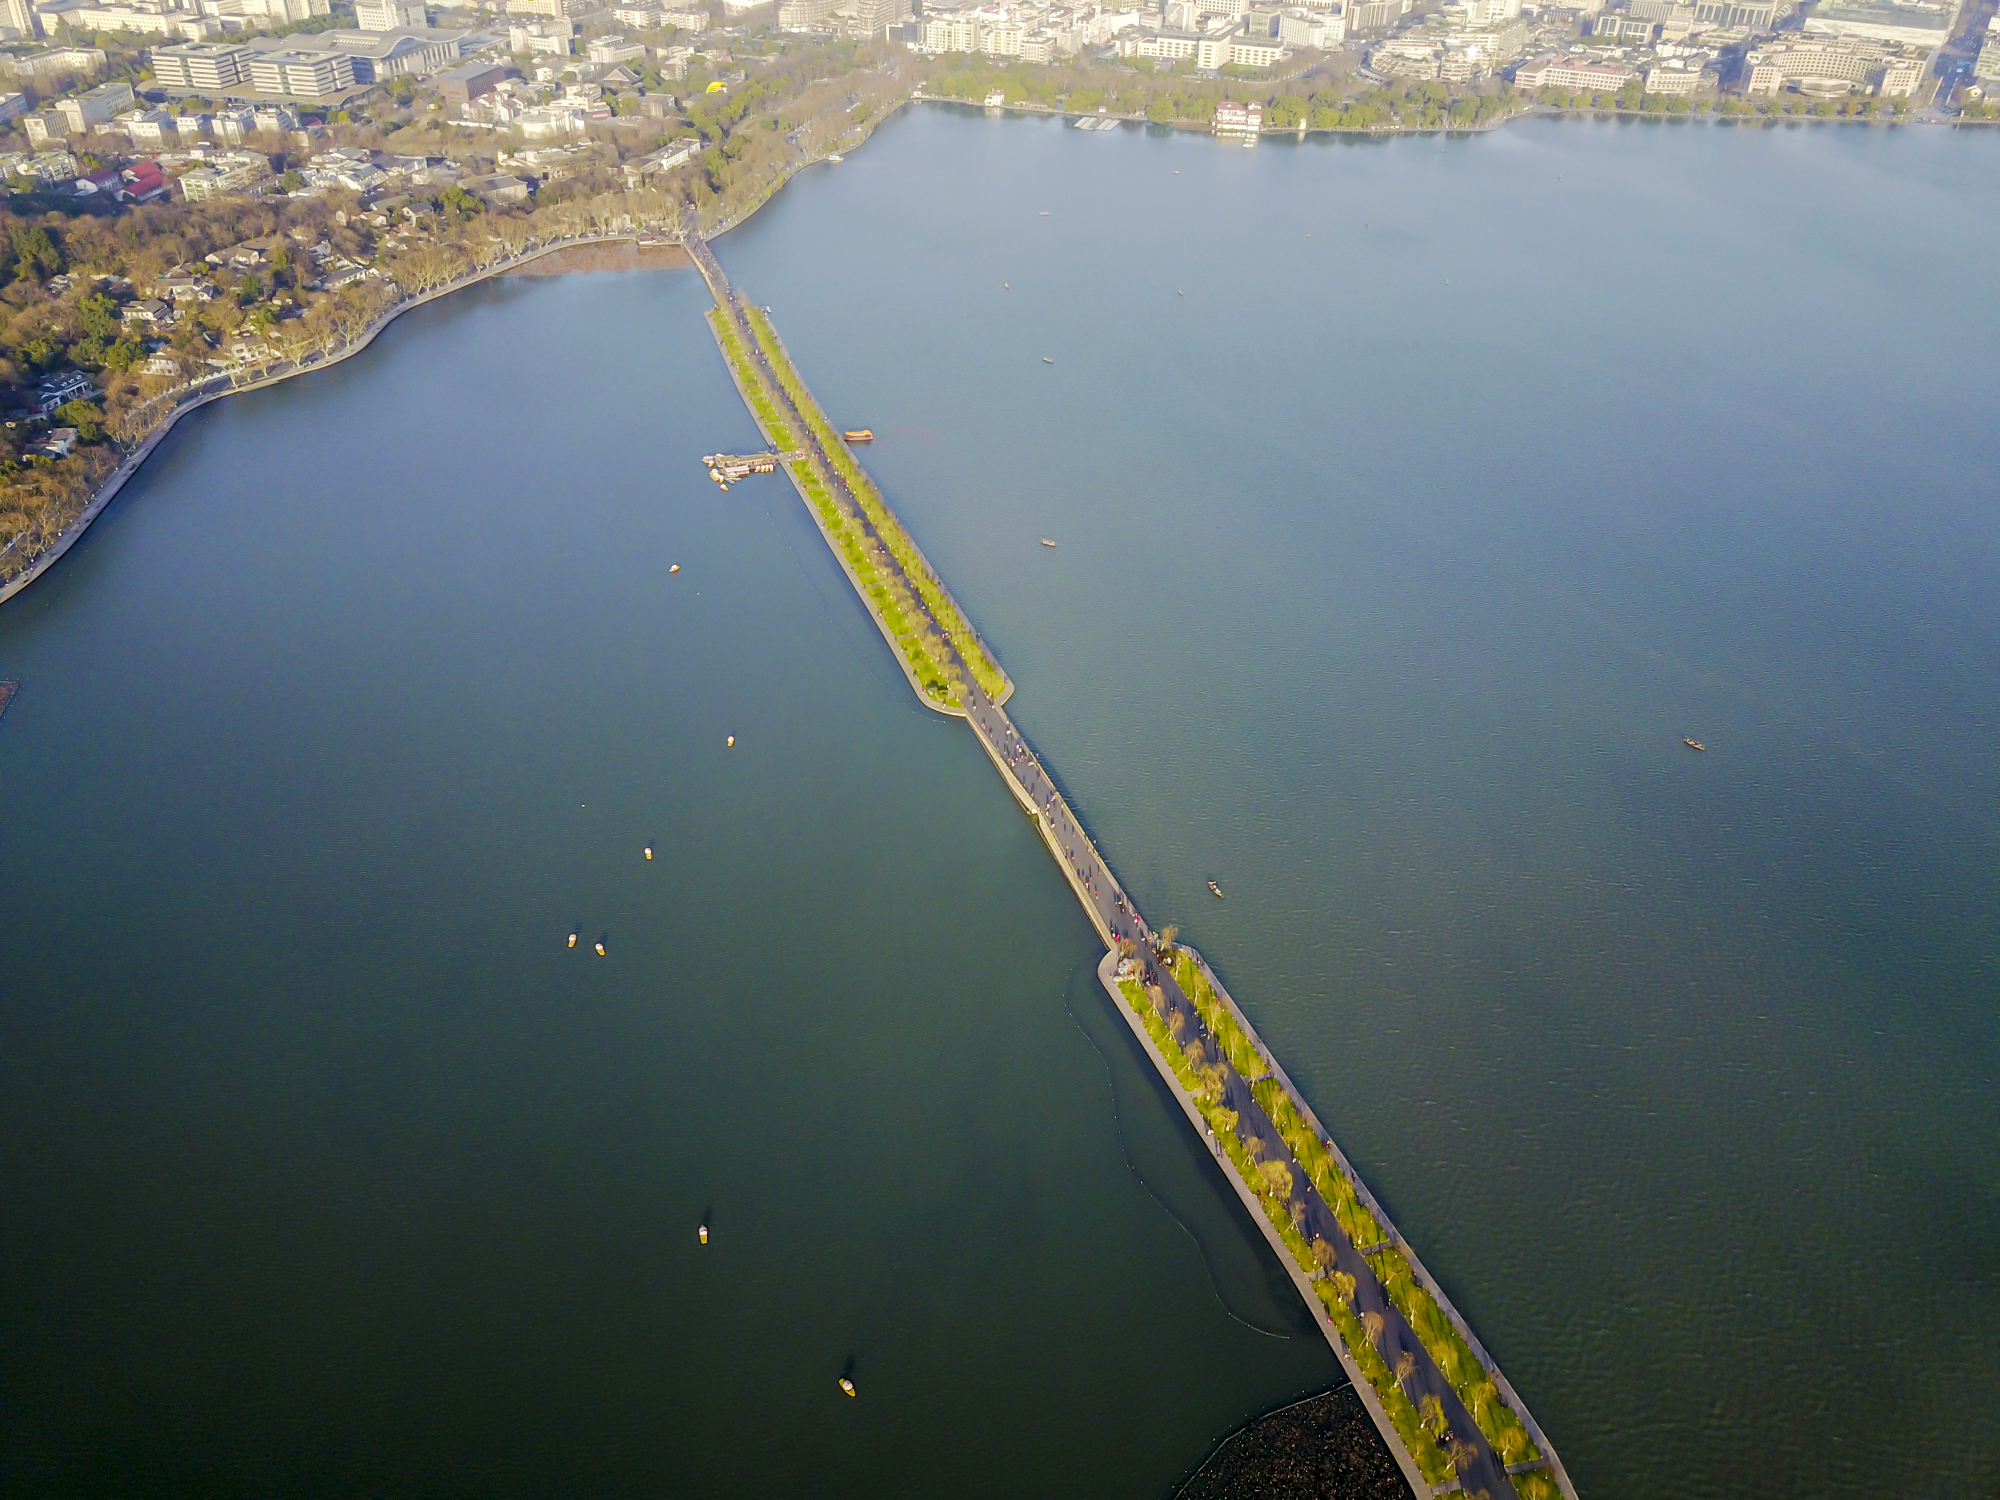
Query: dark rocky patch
(1322, 1448)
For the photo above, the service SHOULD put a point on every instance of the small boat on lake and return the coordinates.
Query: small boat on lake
(1692, 744)
(1218, 891)
(834, 157)
(675, 568)
(1047, 543)
(649, 851)
(703, 1232)
(1046, 360)
(860, 435)
(600, 947)
(847, 1385)
(572, 940)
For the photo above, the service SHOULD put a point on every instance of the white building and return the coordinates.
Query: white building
(1318, 29)
(304, 73)
(201, 67)
(390, 15)
(541, 38)
(87, 111)
(804, 15)
(1573, 73)
(1673, 77)
(612, 49)
(229, 174)
(379, 55)
(1233, 118)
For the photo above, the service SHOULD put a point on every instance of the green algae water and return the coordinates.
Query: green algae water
(1414, 500)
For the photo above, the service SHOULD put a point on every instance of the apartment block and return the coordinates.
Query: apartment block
(201, 67)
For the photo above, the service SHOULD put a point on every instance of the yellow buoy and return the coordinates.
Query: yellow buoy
(847, 1385)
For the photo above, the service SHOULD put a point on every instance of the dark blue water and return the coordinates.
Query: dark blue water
(1398, 553)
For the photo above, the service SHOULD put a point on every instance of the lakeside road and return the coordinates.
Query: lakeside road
(1125, 931)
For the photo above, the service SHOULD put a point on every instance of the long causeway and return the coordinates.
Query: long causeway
(1135, 958)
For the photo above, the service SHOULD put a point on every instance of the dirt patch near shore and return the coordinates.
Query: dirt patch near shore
(1323, 1448)
(626, 255)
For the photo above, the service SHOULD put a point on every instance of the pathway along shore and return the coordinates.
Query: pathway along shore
(1480, 1469)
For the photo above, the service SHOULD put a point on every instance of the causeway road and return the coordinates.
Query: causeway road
(1118, 921)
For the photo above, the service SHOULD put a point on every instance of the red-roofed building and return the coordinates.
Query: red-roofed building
(144, 182)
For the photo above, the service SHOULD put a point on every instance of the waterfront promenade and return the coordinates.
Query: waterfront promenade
(1479, 1468)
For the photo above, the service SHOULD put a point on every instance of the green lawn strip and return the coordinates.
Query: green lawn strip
(734, 350)
(1455, 1358)
(1236, 1046)
(1431, 1460)
(1288, 1232)
(1334, 1185)
(943, 607)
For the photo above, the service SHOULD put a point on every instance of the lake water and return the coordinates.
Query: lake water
(1415, 498)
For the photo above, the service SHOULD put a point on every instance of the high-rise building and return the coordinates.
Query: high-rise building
(201, 68)
(308, 73)
(390, 15)
(804, 15)
(873, 17)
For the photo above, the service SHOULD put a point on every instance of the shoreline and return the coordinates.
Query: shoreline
(1533, 110)
(136, 458)
(224, 387)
